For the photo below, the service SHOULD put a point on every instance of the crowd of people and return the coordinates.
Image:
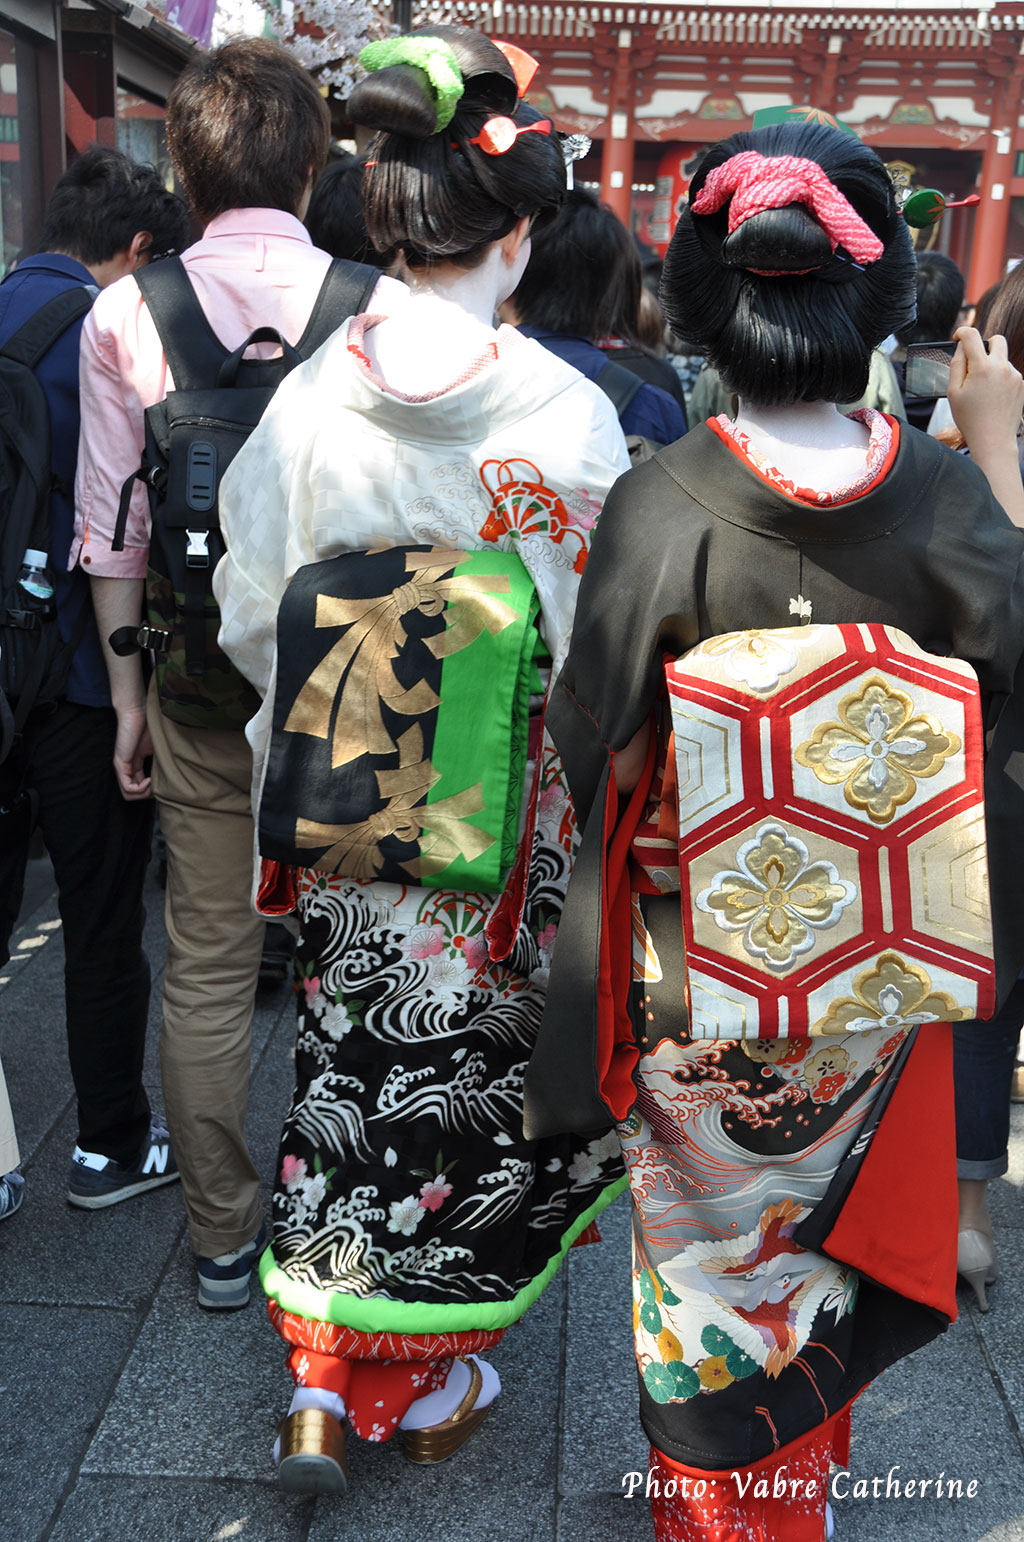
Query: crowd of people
(610, 715)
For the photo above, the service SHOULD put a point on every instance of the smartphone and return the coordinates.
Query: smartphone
(927, 368)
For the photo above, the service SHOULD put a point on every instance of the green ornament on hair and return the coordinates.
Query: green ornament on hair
(429, 54)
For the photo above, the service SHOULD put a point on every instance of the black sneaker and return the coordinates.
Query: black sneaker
(97, 1181)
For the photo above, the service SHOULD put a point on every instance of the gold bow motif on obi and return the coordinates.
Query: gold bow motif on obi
(442, 828)
(375, 636)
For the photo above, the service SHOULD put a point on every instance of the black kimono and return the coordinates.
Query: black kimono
(820, 1281)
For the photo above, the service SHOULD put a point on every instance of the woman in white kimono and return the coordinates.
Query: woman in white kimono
(412, 1220)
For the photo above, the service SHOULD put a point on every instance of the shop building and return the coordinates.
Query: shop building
(71, 75)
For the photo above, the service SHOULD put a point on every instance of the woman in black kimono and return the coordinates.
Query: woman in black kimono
(777, 1267)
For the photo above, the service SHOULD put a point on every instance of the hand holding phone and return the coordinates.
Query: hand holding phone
(986, 393)
(927, 368)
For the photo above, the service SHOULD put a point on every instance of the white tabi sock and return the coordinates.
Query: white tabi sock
(436, 1407)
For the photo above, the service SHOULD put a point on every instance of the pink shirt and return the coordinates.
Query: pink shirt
(252, 268)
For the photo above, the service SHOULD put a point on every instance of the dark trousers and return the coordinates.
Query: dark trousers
(983, 1061)
(99, 845)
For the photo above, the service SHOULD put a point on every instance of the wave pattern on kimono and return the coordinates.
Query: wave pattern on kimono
(408, 1199)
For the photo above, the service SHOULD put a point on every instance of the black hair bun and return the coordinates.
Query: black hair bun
(396, 100)
(489, 93)
(786, 240)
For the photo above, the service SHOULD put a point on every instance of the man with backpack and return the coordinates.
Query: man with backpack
(248, 133)
(106, 218)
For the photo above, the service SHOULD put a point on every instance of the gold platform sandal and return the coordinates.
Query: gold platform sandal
(438, 1442)
(312, 1458)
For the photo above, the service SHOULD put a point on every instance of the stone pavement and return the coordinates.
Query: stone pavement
(128, 1413)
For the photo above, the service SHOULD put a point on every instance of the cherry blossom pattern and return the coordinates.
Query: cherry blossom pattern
(582, 509)
(305, 1191)
(585, 1166)
(777, 897)
(826, 1073)
(405, 1215)
(316, 1001)
(435, 1188)
(293, 1173)
(546, 943)
(774, 1052)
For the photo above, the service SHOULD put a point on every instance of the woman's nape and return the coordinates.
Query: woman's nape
(448, 321)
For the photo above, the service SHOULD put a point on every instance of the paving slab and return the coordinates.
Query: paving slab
(224, 1433)
(199, 1396)
(1001, 1330)
(118, 1509)
(604, 1518)
(937, 1412)
(55, 1378)
(53, 1253)
(604, 1439)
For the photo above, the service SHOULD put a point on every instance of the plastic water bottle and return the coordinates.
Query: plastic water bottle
(34, 580)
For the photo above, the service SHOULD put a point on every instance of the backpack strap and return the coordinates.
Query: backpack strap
(36, 673)
(345, 292)
(619, 384)
(34, 340)
(193, 351)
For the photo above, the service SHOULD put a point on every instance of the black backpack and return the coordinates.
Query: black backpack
(192, 436)
(620, 385)
(34, 662)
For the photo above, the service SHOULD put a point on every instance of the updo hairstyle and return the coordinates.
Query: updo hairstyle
(432, 195)
(779, 337)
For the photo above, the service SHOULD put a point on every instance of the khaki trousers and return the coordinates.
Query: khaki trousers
(201, 780)
(9, 1157)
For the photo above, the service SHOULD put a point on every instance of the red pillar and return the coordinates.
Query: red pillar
(617, 154)
(993, 216)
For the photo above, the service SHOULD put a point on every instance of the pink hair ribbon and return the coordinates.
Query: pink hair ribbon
(500, 134)
(756, 182)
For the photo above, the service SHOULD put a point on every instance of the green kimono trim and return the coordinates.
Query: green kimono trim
(376, 1314)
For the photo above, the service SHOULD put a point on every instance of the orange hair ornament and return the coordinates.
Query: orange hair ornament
(500, 134)
(524, 65)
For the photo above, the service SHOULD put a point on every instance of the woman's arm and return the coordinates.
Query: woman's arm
(986, 397)
(630, 762)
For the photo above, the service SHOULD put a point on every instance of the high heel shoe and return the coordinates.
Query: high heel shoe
(438, 1442)
(312, 1454)
(976, 1262)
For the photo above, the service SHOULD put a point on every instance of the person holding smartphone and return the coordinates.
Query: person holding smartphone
(986, 398)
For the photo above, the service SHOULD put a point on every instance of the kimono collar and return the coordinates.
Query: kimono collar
(722, 483)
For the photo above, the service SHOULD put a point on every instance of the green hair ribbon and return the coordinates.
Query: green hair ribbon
(429, 54)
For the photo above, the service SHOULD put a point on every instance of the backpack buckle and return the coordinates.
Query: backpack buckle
(24, 620)
(155, 637)
(127, 640)
(197, 553)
